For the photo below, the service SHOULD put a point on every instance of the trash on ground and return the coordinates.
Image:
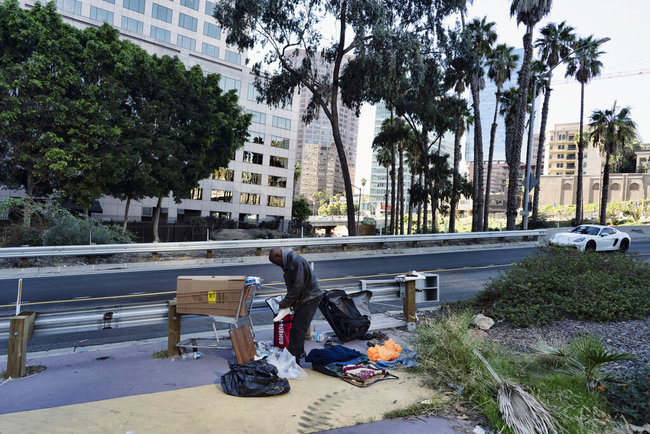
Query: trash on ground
(256, 378)
(286, 365)
(389, 351)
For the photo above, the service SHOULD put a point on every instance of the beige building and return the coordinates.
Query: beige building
(643, 158)
(561, 152)
(561, 190)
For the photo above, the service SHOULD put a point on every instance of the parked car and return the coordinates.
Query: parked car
(593, 237)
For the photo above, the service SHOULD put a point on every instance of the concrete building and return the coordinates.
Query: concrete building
(316, 151)
(561, 152)
(258, 183)
(643, 158)
(561, 190)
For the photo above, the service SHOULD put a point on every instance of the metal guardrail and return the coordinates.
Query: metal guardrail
(209, 246)
(86, 320)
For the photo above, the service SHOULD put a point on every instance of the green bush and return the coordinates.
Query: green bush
(557, 283)
(631, 399)
(70, 230)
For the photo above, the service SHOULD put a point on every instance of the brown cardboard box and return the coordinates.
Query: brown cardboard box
(210, 295)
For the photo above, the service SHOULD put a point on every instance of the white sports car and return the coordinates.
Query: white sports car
(593, 237)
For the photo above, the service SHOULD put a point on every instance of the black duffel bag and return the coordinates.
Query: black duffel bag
(256, 378)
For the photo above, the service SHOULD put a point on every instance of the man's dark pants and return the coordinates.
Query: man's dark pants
(302, 317)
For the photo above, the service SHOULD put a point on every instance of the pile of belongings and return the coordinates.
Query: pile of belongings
(391, 355)
(347, 364)
(256, 378)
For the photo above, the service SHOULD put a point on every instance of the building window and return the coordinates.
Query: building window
(278, 181)
(147, 211)
(160, 34)
(233, 57)
(73, 6)
(252, 157)
(224, 175)
(282, 122)
(278, 162)
(110, 1)
(135, 5)
(188, 22)
(210, 50)
(196, 193)
(161, 13)
(251, 178)
(100, 14)
(253, 94)
(559, 165)
(258, 117)
(276, 201)
(560, 146)
(211, 30)
(256, 137)
(209, 8)
(249, 198)
(221, 196)
(560, 156)
(132, 25)
(228, 83)
(185, 42)
(279, 142)
(192, 4)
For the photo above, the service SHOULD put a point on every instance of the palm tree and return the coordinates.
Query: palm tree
(500, 63)
(610, 131)
(528, 12)
(482, 37)
(584, 65)
(554, 46)
(385, 158)
(413, 161)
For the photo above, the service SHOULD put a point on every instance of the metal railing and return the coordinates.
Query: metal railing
(86, 320)
(258, 245)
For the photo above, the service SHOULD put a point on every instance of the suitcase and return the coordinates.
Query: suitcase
(281, 331)
(348, 315)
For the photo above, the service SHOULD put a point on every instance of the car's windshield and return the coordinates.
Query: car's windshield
(586, 230)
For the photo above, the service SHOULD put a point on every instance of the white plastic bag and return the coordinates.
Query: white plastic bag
(286, 364)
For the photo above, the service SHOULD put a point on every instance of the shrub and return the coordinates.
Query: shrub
(557, 283)
(71, 230)
(631, 399)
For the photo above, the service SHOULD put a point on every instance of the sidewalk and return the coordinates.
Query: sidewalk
(124, 389)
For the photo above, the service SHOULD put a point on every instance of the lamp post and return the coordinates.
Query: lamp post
(529, 178)
(359, 210)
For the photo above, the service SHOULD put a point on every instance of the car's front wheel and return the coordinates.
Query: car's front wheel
(625, 244)
(591, 246)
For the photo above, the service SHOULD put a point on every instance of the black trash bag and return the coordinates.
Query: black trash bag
(256, 378)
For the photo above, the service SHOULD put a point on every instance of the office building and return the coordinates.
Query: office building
(561, 152)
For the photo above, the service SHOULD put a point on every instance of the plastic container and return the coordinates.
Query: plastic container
(190, 356)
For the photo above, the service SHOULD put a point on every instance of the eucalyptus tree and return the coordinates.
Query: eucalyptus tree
(610, 131)
(554, 46)
(481, 36)
(500, 62)
(584, 65)
(528, 12)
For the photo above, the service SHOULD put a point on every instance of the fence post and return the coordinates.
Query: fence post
(409, 304)
(174, 330)
(209, 254)
(21, 328)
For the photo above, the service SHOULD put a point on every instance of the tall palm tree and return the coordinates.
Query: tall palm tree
(384, 157)
(610, 131)
(528, 12)
(554, 46)
(500, 62)
(583, 65)
(482, 36)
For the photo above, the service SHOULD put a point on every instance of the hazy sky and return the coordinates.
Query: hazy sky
(626, 56)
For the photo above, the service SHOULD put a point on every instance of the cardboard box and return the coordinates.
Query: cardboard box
(210, 295)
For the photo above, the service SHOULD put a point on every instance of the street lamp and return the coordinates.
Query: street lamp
(359, 210)
(529, 178)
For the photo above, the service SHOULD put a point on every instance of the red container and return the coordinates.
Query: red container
(281, 331)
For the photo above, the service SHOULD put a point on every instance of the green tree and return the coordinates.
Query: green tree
(554, 46)
(610, 131)
(300, 210)
(500, 62)
(528, 12)
(583, 65)
(385, 159)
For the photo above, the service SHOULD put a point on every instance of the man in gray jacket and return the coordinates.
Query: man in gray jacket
(303, 295)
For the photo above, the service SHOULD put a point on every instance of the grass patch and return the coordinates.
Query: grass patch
(557, 283)
(417, 409)
(162, 354)
(445, 346)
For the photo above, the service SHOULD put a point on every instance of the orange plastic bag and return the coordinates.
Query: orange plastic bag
(389, 351)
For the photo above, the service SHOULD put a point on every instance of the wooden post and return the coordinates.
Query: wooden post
(344, 248)
(208, 254)
(409, 302)
(21, 328)
(414, 244)
(174, 330)
(154, 256)
(303, 249)
(24, 262)
(91, 259)
(382, 246)
(258, 251)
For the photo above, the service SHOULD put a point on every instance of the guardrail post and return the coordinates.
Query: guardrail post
(24, 262)
(174, 330)
(91, 259)
(409, 304)
(303, 249)
(208, 254)
(258, 251)
(414, 244)
(154, 256)
(21, 328)
(344, 247)
(382, 246)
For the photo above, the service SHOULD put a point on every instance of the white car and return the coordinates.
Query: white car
(593, 237)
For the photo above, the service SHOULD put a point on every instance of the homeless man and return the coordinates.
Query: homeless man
(303, 295)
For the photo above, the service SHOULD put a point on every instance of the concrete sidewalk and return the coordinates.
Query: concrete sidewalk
(124, 389)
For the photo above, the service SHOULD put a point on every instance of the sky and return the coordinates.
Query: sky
(625, 76)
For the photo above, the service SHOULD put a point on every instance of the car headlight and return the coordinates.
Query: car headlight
(579, 240)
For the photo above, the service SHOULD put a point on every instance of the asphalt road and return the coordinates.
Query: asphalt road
(462, 274)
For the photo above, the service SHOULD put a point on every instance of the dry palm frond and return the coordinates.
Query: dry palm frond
(520, 410)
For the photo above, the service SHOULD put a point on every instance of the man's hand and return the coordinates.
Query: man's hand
(282, 305)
